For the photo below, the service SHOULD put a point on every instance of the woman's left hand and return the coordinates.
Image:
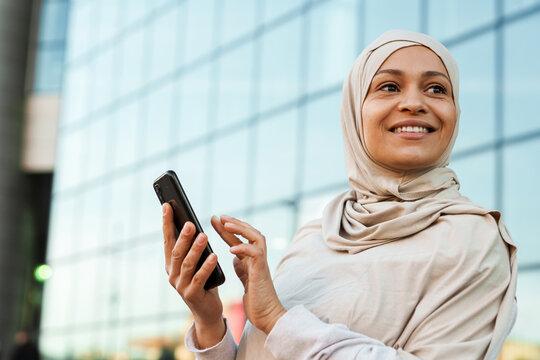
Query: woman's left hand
(261, 304)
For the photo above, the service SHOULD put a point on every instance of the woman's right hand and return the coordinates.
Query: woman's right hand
(181, 260)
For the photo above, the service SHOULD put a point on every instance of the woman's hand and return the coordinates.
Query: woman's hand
(181, 259)
(261, 304)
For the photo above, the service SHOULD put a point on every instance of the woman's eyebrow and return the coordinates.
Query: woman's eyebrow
(435, 73)
(426, 74)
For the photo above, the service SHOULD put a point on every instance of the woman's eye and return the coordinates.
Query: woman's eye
(389, 87)
(437, 89)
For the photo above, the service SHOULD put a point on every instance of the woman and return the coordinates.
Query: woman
(400, 267)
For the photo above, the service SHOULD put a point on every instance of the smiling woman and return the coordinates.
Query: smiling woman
(401, 266)
(409, 112)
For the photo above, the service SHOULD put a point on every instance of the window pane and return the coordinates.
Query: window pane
(237, 18)
(132, 59)
(151, 278)
(98, 148)
(312, 207)
(75, 94)
(450, 18)
(85, 283)
(235, 85)
(511, 6)
(275, 165)
(89, 234)
(58, 298)
(133, 11)
(476, 175)
(521, 201)
(80, 26)
(102, 79)
(323, 152)
(200, 29)
(164, 49)
(53, 22)
(476, 91)
(50, 64)
(61, 234)
(521, 76)
(384, 15)
(229, 176)
(527, 328)
(148, 206)
(157, 135)
(127, 125)
(332, 43)
(280, 65)
(276, 8)
(121, 213)
(191, 166)
(193, 119)
(69, 161)
(109, 12)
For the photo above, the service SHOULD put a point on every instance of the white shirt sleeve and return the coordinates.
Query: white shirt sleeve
(299, 334)
(224, 350)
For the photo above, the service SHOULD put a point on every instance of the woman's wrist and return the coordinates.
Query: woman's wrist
(210, 334)
(275, 316)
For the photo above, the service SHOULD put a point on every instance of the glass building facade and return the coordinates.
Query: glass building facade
(242, 99)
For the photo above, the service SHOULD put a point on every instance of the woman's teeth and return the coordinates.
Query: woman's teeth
(413, 129)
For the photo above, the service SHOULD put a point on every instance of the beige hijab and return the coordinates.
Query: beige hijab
(402, 256)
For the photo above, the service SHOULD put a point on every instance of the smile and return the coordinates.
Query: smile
(411, 129)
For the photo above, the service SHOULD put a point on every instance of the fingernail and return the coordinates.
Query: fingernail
(163, 209)
(200, 239)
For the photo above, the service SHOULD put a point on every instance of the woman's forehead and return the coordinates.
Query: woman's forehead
(412, 59)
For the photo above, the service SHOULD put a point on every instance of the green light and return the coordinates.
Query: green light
(42, 272)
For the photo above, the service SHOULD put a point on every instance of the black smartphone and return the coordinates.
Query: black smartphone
(169, 189)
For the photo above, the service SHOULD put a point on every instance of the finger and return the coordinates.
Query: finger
(252, 251)
(227, 218)
(239, 270)
(169, 235)
(181, 248)
(202, 275)
(229, 238)
(251, 234)
(189, 265)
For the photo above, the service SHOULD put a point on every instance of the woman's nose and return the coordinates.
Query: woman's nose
(412, 101)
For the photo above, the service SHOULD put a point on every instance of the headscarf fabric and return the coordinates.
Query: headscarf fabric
(421, 266)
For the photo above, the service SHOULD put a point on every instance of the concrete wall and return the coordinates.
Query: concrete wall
(14, 33)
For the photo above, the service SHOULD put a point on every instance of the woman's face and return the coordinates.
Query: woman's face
(408, 115)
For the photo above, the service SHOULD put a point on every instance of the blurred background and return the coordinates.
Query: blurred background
(241, 98)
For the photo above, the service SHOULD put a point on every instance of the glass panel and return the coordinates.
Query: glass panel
(109, 12)
(123, 285)
(476, 91)
(80, 25)
(52, 345)
(102, 79)
(330, 59)
(104, 295)
(276, 8)
(476, 175)
(237, 18)
(450, 18)
(323, 152)
(53, 20)
(75, 94)
(280, 65)
(151, 278)
(511, 6)
(61, 228)
(194, 103)
(83, 343)
(521, 76)
(148, 207)
(85, 273)
(98, 147)
(58, 301)
(191, 166)
(527, 327)
(132, 59)
(164, 47)
(521, 202)
(133, 10)
(384, 15)
(200, 28)
(158, 136)
(312, 207)
(276, 157)
(90, 233)
(127, 135)
(229, 175)
(235, 85)
(277, 225)
(49, 68)
(122, 209)
(69, 161)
